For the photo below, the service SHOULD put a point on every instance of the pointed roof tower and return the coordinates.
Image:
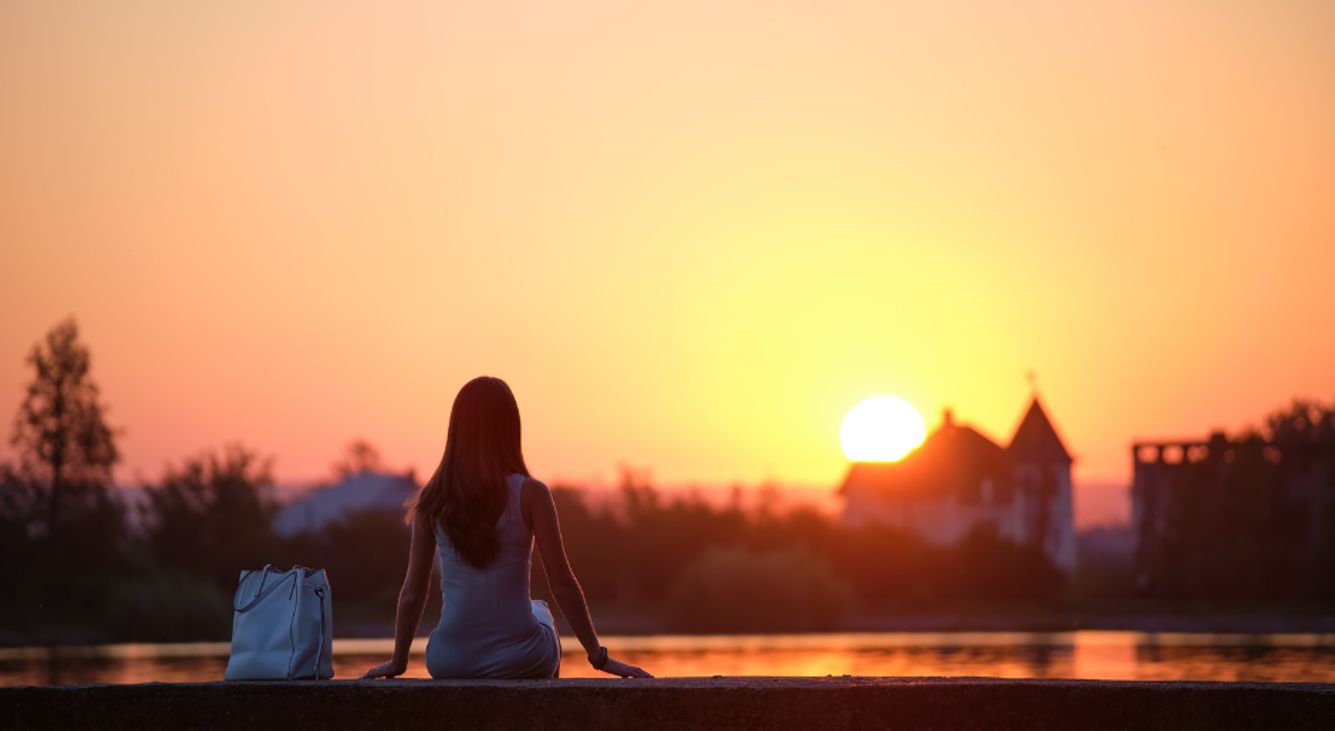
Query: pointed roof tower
(1036, 440)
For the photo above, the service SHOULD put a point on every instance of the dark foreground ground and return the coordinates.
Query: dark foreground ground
(732, 703)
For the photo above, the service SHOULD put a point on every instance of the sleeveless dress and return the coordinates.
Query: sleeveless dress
(489, 627)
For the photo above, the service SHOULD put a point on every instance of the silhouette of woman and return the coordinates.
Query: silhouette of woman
(481, 512)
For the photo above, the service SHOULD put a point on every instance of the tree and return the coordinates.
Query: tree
(62, 529)
(211, 517)
(1305, 431)
(66, 450)
(1304, 422)
(21, 566)
(359, 456)
(735, 590)
(359, 575)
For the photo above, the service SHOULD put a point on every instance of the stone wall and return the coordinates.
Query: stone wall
(731, 703)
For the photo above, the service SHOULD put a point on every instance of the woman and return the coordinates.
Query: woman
(482, 511)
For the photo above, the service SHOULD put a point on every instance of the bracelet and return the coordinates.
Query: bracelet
(600, 661)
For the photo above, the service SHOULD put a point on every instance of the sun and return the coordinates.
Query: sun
(881, 429)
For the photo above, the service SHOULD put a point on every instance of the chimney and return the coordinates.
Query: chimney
(947, 417)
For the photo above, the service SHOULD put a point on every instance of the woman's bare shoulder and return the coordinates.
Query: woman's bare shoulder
(534, 492)
(534, 485)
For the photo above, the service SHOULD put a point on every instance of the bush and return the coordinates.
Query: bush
(364, 553)
(732, 590)
(986, 566)
(168, 609)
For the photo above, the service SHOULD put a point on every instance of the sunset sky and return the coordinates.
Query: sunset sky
(691, 236)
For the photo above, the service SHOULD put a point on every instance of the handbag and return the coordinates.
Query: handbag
(282, 628)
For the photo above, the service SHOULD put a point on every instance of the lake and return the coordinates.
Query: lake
(1112, 655)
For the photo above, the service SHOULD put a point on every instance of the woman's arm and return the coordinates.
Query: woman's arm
(412, 599)
(540, 513)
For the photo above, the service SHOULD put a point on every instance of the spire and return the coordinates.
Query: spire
(1036, 440)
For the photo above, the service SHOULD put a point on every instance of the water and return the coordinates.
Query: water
(1085, 654)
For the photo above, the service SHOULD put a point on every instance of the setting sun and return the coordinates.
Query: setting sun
(881, 429)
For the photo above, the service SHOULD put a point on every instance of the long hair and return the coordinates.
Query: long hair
(467, 494)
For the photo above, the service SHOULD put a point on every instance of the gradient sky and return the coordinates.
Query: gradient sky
(691, 236)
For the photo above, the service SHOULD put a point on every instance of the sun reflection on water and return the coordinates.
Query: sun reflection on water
(1084, 654)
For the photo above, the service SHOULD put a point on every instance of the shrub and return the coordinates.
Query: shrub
(733, 590)
(168, 609)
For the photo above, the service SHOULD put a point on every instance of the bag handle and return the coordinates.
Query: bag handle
(261, 592)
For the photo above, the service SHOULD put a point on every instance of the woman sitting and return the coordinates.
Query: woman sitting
(481, 511)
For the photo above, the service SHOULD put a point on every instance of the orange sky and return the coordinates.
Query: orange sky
(690, 236)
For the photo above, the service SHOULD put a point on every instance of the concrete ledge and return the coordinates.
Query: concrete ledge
(733, 703)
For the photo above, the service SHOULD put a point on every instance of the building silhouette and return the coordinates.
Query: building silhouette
(1294, 482)
(960, 480)
(366, 490)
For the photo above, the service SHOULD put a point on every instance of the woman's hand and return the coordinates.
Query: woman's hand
(386, 669)
(616, 667)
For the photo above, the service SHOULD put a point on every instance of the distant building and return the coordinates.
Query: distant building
(354, 493)
(959, 480)
(1301, 479)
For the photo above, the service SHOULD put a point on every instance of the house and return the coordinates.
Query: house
(960, 480)
(366, 490)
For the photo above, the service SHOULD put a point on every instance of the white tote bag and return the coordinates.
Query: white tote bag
(282, 628)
